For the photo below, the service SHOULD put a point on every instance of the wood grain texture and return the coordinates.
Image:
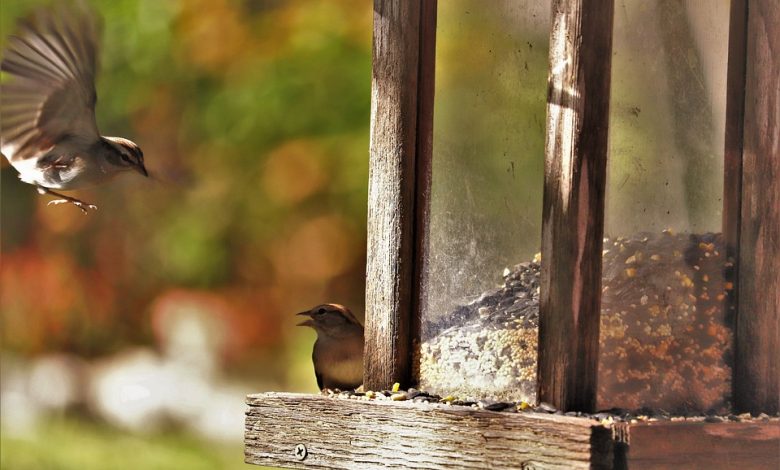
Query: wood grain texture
(391, 192)
(342, 433)
(735, 115)
(573, 207)
(712, 446)
(757, 367)
(426, 85)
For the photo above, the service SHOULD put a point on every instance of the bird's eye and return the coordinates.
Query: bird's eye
(320, 311)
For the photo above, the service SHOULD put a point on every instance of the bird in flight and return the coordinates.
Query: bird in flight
(48, 130)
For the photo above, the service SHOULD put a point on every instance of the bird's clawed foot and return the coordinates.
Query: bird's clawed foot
(80, 204)
(63, 199)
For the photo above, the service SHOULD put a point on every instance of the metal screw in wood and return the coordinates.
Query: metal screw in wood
(300, 452)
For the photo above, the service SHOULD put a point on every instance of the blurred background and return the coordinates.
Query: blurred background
(131, 336)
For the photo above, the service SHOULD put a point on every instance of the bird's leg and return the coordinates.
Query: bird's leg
(66, 200)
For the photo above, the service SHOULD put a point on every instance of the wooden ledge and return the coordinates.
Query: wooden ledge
(302, 431)
(754, 444)
(299, 431)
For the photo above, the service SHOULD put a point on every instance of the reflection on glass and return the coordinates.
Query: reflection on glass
(478, 331)
(665, 340)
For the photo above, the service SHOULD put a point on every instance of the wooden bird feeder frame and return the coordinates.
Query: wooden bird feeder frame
(302, 430)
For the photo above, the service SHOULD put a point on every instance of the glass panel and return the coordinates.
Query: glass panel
(478, 331)
(665, 339)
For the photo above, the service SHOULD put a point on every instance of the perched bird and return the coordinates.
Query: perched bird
(338, 351)
(47, 107)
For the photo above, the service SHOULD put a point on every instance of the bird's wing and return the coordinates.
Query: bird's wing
(319, 380)
(50, 94)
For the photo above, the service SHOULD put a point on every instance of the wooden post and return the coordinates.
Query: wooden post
(398, 74)
(426, 86)
(735, 113)
(757, 348)
(573, 211)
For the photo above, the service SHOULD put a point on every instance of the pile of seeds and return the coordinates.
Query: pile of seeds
(491, 349)
(665, 332)
(666, 335)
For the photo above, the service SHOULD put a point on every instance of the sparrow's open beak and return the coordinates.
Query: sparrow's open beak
(308, 322)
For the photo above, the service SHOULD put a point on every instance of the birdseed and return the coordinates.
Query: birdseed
(666, 336)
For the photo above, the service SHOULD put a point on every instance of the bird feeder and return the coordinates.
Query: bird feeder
(579, 211)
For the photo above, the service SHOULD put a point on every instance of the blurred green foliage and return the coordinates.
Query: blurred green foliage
(253, 116)
(68, 443)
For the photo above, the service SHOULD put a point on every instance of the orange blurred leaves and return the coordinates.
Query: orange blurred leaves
(46, 299)
(212, 32)
(316, 250)
(293, 171)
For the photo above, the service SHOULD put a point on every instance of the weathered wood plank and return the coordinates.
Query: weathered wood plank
(757, 368)
(427, 85)
(714, 446)
(345, 433)
(573, 208)
(391, 191)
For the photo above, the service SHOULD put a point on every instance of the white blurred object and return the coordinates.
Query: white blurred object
(191, 332)
(129, 390)
(57, 381)
(222, 419)
(19, 413)
(188, 392)
(139, 390)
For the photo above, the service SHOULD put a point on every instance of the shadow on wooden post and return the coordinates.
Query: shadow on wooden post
(573, 213)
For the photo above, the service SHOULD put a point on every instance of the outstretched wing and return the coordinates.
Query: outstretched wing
(50, 94)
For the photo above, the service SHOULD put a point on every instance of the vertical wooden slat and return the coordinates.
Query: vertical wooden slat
(735, 112)
(732, 154)
(392, 181)
(757, 357)
(573, 208)
(426, 88)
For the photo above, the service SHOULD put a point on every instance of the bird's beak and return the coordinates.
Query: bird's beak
(308, 322)
(142, 169)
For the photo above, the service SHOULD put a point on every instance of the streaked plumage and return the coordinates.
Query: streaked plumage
(47, 106)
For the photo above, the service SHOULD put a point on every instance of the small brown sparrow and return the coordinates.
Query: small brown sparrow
(48, 130)
(338, 351)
